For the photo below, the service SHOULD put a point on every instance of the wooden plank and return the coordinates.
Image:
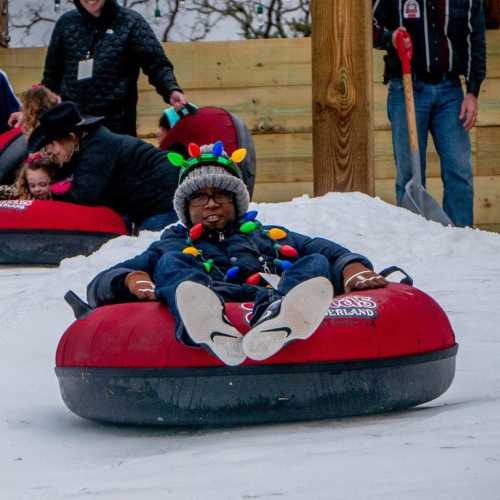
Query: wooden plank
(284, 158)
(262, 109)
(288, 158)
(488, 150)
(384, 159)
(235, 64)
(246, 63)
(492, 228)
(218, 64)
(342, 102)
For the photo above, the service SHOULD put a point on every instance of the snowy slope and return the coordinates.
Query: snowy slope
(446, 449)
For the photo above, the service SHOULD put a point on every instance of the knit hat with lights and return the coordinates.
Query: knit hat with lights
(208, 167)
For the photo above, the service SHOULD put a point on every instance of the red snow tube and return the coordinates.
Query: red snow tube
(45, 232)
(7, 137)
(376, 351)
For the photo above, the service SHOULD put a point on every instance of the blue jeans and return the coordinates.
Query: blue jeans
(437, 109)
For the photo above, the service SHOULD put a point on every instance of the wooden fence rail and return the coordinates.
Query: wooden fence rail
(267, 83)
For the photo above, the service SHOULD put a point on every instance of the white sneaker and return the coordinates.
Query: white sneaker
(203, 316)
(295, 316)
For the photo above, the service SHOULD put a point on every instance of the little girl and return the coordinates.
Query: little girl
(35, 101)
(33, 180)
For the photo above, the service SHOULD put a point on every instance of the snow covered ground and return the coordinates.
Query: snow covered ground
(446, 449)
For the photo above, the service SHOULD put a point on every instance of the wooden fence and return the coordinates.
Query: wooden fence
(267, 83)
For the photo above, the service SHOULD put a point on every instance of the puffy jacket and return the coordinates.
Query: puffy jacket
(121, 43)
(168, 266)
(121, 172)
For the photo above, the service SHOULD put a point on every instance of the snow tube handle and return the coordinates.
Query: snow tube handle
(80, 308)
(407, 280)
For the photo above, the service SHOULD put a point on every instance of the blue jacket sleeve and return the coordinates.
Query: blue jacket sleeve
(105, 288)
(337, 255)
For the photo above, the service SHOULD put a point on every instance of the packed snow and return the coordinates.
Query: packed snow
(446, 449)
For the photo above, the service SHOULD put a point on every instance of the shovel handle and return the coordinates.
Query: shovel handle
(404, 47)
(410, 113)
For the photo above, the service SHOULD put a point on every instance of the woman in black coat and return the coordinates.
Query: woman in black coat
(119, 171)
(94, 57)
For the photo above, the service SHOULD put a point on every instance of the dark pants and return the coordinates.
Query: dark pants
(303, 269)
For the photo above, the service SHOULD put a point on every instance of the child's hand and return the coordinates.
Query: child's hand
(61, 187)
(140, 284)
(359, 277)
(177, 100)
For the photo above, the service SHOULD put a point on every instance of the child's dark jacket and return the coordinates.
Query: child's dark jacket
(168, 266)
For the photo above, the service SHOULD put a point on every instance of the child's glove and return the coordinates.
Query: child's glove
(359, 277)
(140, 285)
(61, 187)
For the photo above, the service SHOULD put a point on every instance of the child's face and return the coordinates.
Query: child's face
(38, 184)
(214, 208)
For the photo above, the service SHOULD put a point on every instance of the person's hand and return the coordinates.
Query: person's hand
(359, 277)
(406, 40)
(16, 119)
(177, 100)
(140, 285)
(468, 111)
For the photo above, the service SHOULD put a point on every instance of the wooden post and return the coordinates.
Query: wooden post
(4, 23)
(343, 148)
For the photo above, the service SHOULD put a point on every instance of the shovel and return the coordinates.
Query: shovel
(416, 198)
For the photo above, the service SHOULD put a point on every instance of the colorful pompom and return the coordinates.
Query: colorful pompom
(275, 233)
(239, 155)
(232, 273)
(253, 279)
(191, 251)
(195, 232)
(250, 215)
(194, 150)
(288, 251)
(283, 264)
(208, 265)
(218, 148)
(248, 227)
(175, 159)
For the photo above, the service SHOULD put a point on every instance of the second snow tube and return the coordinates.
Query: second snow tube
(36, 232)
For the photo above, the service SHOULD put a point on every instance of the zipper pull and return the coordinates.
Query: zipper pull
(264, 265)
